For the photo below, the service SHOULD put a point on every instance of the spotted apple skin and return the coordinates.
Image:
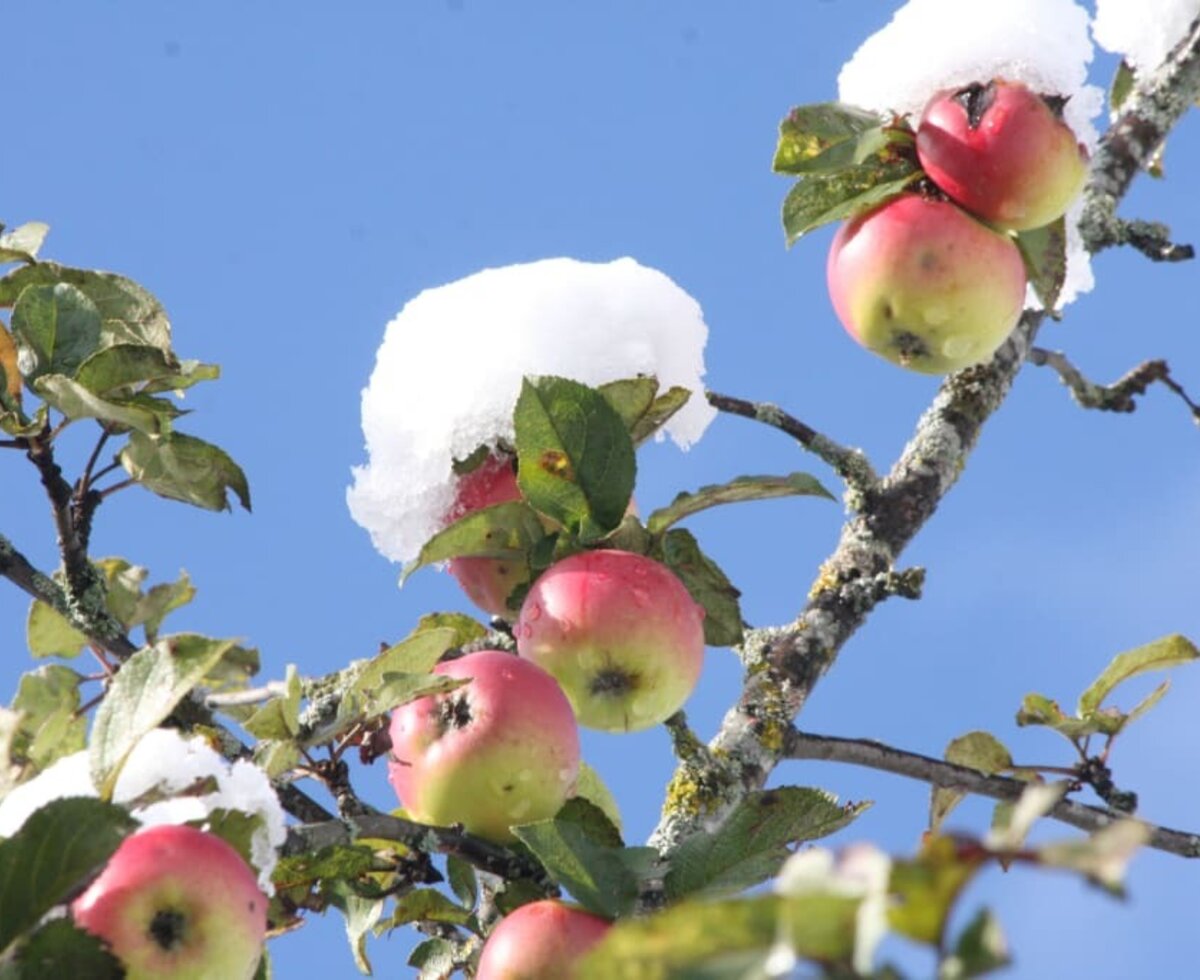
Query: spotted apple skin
(1003, 152)
(502, 750)
(540, 941)
(621, 634)
(176, 903)
(921, 283)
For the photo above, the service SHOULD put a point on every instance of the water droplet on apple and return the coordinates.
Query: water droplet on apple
(936, 315)
(519, 809)
(533, 613)
(957, 347)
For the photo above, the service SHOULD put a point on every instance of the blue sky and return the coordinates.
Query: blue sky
(285, 177)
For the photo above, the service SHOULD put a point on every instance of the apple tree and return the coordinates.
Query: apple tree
(169, 812)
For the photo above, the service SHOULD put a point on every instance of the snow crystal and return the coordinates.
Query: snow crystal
(931, 45)
(164, 764)
(1143, 32)
(449, 370)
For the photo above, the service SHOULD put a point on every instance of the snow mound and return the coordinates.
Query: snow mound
(1143, 32)
(449, 370)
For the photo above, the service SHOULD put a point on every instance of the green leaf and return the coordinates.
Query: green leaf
(53, 853)
(584, 858)
(22, 243)
(49, 726)
(735, 491)
(189, 373)
(981, 751)
(659, 413)
(56, 329)
(681, 553)
(927, 887)
(143, 694)
(824, 137)
(279, 718)
(426, 904)
(1122, 84)
(466, 629)
(980, 950)
(591, 787)
(129, 313)
(361, 916)
(1037, 709)
(1044, 251)
(819, 199)
(163, 599)
(1170, 651)
(76, 402)
(576, 459)
(630, 398)
(58, 949)
(434, 959)
(507, 531)
(122, 366)
(186, 469)
(48, 634)
(463, 883)
(756, 839)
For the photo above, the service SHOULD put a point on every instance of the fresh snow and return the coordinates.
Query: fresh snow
(449, 370)
(165, 764)
(1143, 32)
(931, 45)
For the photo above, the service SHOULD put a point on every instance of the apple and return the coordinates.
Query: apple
(175, 902)
(488, 582)
(1003, 152)
(540, 941)
(499, 751)
(923, 284)
(621, 634)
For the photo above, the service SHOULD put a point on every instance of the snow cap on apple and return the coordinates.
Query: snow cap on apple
(621, 634)
(176, 903)
(499, 751)
(932, 46)
(449, 371)
(540, 941)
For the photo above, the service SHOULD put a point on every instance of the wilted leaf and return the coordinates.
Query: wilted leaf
(22, 243)
(186, 469)
(659, 413)
(1170, 651)
(576, 458)
(361, 916)
(756, 839)
(740, 489)
(1101, 858)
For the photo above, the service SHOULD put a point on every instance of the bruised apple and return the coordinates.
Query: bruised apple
(923, 284)
(1003, 152)
(174, 902)
(487, 582)
(621, 634)
(501, 750)
(540, 941)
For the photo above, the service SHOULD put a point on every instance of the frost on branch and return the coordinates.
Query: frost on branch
(1143, 32)
(450, 367)
(931, 45)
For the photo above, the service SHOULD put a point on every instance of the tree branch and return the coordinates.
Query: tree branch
(1115, 397)
(784, 665)
(947, 775)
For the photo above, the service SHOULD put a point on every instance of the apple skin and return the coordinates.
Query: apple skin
(621, 634)
(502, 750)
(924, 285)
(1002, 152)
(174, 902)
(540, 941)
(487, 582)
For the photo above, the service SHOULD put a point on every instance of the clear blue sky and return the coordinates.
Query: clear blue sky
(284, 177)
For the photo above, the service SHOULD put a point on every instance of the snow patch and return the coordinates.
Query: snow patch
(1143, 32)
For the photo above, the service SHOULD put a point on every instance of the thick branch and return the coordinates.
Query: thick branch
(1118, 396)
(936, 772)
(784, 665)
(482, 854)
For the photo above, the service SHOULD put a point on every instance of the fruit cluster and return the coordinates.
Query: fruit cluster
(934, 280)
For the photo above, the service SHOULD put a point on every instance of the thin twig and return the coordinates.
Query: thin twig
(1118, 396)
(947, 775)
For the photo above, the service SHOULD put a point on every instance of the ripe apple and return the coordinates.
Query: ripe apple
(621, 634)
(540, 941)
(923, 284)
(1003, 152)
(175, 902)
(502, 750)
(488, 582)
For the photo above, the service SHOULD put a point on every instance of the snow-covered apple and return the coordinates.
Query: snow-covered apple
(175, 902)
(488, 582)
(621, 634)
(923, 284)
(1003, 152)
(540, 941)
(499, 751)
